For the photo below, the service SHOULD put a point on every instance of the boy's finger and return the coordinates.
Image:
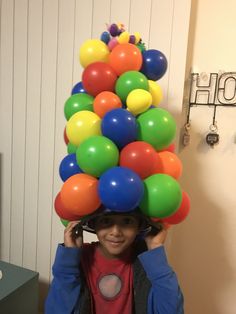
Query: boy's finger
(77, 231)
(70, 226)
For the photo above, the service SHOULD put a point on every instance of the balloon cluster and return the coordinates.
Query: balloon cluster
(119, 142)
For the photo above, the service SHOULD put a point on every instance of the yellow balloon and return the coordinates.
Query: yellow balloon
(82, 125)
(93, 50)
(137, 37)
(138, 101)
(123, 38)
(156, 92)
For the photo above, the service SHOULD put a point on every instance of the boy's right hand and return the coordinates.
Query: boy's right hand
(73, 235)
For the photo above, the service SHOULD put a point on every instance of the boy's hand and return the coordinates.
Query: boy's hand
(73, 235)
(156, 237)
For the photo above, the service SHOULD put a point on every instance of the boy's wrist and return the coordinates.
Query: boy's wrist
(153, 246)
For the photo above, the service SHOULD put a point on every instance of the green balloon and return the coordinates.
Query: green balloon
(64, 222)
(71, 148)
(97, 154)
(162, 196)
(141, 47)
(157, 127)
(78, 102)
(129, 81)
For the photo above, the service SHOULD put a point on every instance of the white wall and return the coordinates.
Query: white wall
(203, 249)
(40, 40)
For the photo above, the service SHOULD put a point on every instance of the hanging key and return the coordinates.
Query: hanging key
(186, 135)
(213, 137)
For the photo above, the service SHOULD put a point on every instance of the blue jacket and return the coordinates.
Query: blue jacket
(160, 294)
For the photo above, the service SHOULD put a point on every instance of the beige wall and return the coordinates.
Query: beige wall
(203, 249)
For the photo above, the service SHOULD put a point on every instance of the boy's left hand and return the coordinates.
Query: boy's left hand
(156, 238)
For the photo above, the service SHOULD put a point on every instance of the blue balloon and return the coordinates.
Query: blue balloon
(78, 88)
(120, 189)
(154, 64)
(120, 126)
(69, 167)
(105, 37)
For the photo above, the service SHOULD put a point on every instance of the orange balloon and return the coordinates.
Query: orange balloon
(125, 57)
(168, 163)
(79, 194)
(66, 140)
(104, 102)
(62, 211)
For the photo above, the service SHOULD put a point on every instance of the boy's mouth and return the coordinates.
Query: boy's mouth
(115, 243)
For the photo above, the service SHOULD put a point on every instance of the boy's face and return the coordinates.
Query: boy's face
(116, 233)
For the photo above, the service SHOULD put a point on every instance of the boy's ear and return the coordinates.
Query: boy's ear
(143, 225)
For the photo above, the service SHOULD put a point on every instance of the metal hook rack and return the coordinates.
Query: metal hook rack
(216, 94)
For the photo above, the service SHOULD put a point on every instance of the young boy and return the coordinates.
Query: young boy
(124, 272)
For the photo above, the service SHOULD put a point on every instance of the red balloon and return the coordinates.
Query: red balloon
(138, 156)
(104, 102)
(168, 163)
(170, 148)
(98, 77)
(165, 224)
(155, 219)
(62, 211)
(181, 213)
(125, 57)
(66, 140)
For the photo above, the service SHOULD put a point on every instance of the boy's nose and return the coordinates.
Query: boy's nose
(116, 229)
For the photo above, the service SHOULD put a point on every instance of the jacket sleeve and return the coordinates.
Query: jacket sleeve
(65, 287)
(165, 296)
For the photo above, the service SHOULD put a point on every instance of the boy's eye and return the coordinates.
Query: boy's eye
(129, 221)
(105, 221)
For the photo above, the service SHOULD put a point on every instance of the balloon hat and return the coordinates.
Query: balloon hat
(119, 141)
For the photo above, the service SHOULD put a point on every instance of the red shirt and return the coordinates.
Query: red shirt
(110, 281)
